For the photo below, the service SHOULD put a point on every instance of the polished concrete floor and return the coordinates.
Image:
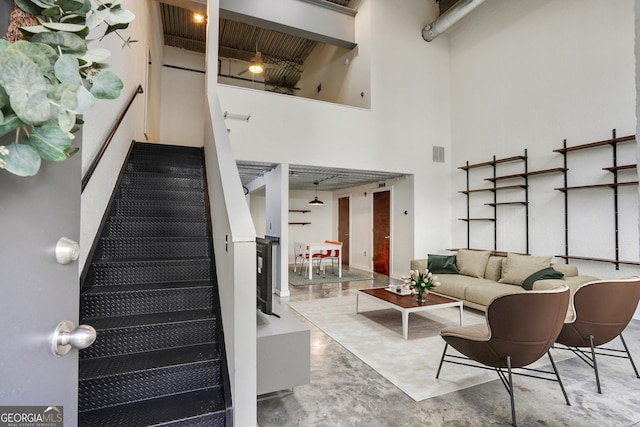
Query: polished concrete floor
(344, 391)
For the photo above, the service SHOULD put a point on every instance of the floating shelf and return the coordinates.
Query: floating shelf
(477, 219)
(299, 223)
(299, 210)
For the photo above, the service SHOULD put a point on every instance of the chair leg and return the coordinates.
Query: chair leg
(595, 364)
(566, 398)
(633, 365)
(513, 407)
(442, 359)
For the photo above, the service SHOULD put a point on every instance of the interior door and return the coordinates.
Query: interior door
(343, 227)
(37, 292)
(381, 231)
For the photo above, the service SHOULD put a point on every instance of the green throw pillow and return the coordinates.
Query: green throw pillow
(442, 264)
(545, 273)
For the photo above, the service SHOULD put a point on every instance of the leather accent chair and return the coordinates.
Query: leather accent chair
(598, 313)
(519, 330)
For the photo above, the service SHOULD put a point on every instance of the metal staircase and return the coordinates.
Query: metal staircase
(151, 293)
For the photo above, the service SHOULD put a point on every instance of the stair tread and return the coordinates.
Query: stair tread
(158, 411)
(97, 290)
(142, 320)
(124, 261)
(117, 365)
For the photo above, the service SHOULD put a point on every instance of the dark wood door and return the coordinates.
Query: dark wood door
(381, 231)
(343, 227)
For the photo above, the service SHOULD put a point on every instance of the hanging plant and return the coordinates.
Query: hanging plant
(49, 76)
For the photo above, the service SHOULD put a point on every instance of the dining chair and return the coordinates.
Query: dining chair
(331, 255)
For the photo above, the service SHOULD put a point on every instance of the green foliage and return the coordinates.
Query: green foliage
(53, 76)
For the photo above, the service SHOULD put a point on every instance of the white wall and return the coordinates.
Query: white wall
(182, 111)
(130, 64)
(257, 206)
(528, 75)
(322, 222)
(396, 134)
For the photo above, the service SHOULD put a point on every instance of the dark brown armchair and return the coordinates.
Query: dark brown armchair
(598, 313)
(519, 330)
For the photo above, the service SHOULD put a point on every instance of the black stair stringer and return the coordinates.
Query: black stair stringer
(150, 290)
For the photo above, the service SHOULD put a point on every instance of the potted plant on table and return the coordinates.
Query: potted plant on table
(49, 76)
(421, 283)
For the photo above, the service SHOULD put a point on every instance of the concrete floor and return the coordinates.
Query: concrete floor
(344, 391)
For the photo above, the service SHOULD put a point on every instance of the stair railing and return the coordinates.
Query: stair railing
(96, 160)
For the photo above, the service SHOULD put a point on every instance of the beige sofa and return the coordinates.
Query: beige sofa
(484, 276)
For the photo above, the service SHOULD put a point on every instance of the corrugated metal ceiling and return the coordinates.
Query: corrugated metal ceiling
(283, 54)
(303, 177)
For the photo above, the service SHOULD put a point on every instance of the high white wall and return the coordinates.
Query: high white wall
(183, 90)
(528, 75)
(396, 134)
(130, 64)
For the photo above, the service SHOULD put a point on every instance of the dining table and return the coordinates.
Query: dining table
(320, 248)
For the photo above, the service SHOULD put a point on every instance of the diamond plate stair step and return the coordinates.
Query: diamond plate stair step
(111, 301)
(204, 408)
(149, 332)
(184, 194)
(152, 247)
(147, 384)
(154, 227)
(158, 208)
(89, 369)
(172, 150)
(161, 181)
(182, 160)
(167, 167)
(118, 272)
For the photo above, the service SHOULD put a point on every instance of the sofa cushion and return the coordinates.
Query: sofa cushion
(545, 273)
(453, 285)
(442, 264)
(482, 292)
(472, 263)
(566, 269)
(494, 268)
(518, 267)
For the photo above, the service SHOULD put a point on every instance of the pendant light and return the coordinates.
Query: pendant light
(316, 201)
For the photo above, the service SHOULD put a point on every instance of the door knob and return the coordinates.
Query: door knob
(67, 336)
(67, 250)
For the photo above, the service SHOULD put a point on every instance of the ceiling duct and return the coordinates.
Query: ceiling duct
(448, 18)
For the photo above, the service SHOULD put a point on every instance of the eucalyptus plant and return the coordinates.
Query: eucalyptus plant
(52, 76)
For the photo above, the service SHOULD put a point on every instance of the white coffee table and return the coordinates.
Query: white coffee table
(406, 304)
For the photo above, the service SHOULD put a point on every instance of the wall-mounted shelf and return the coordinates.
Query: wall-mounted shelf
(619, 168)
(494, 178)
(493, 162)
(299, 210)
(612, 261)
(506, 203)
(524, 174)
(299, 223)
(612, 141)
(614, 169)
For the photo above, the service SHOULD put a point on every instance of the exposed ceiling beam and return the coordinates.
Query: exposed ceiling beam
(294, 17)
